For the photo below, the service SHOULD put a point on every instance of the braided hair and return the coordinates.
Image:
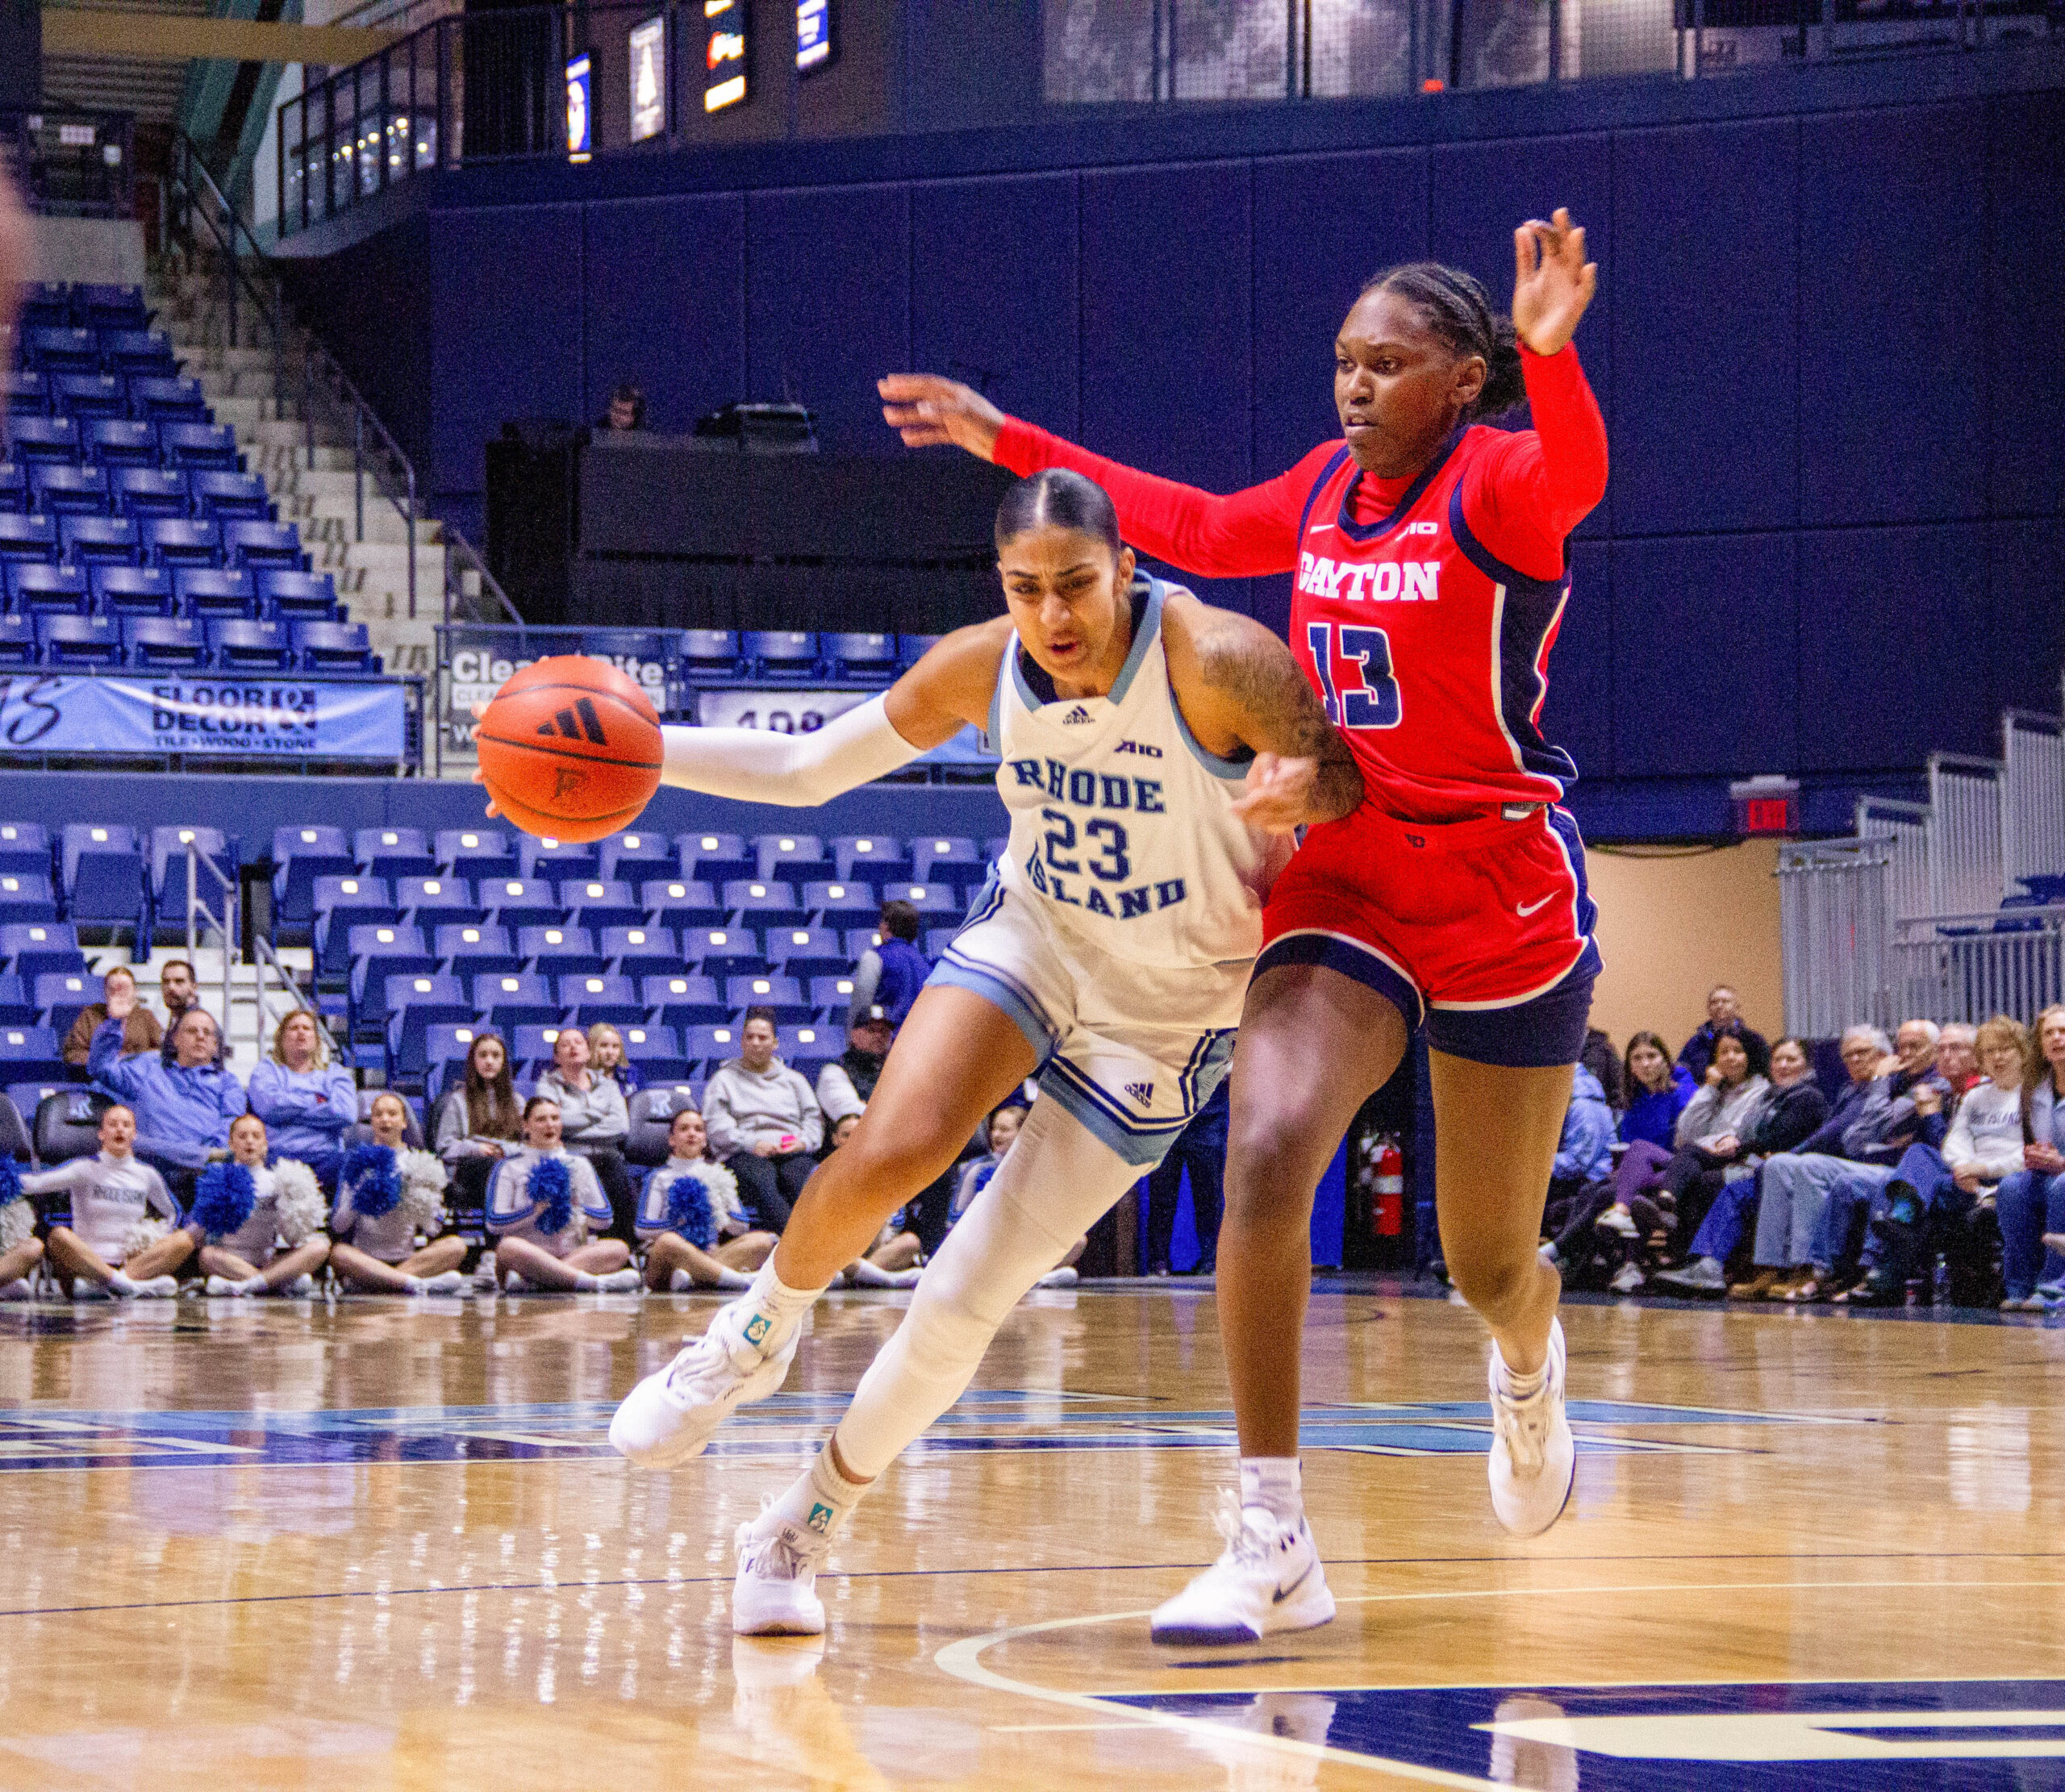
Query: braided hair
(1455, 307)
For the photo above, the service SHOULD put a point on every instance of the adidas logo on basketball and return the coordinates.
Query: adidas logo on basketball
(590, 723)
(1075, 716)
(1141, 1092)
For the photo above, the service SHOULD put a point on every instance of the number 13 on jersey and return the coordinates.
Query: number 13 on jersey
(1374, 703)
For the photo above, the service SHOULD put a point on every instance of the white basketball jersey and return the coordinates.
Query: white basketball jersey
(1122, 827)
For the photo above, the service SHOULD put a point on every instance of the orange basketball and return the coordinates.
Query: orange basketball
(569, 749)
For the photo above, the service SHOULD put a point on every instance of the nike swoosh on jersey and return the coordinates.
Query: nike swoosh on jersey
(1525, 908)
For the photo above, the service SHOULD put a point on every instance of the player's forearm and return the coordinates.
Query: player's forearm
(1338, 792)
(799, 770)
(1568, 478)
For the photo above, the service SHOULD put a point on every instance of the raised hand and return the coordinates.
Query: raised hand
(1553, 283)
(927, 410)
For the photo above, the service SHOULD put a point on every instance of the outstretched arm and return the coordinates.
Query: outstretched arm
(1238, 686)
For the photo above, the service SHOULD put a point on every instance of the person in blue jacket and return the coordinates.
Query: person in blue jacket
(305, 1101)
(891, 975)
(183, 1103)
(1657, 1092)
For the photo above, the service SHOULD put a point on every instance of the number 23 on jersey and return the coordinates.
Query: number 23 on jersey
(1372, 700)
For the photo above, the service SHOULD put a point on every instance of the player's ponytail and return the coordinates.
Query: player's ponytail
(1458, 312)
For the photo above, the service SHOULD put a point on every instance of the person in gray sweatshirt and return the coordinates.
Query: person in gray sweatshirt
(596, 1120)
(764, 1123)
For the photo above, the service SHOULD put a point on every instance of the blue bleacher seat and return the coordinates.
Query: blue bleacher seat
(24, 846)
(104, 308)
(640, 855)
(138, 354)
(831, 996)
(213, 593)
(45, 590)
(640, 951)
(143, 492)
(559, 951)
(595, 904)
(531, 1048)
(56, 490)
(715, 858)
(469, 949)
(201, 446)
(341, 902)
(59, 995)
(394, 852)
(951, 857)
(763, 903)
(30, 1054)
(181, 541)
(655, 1050)
(710, 653)
(862, 659)
(779, 653)
(89, 396)
(475, 853)
(912, 648)
(227, 497)
(14, 489)
(600, 997)
(98, 541)
(996, 848)
(300, 855)
(45, 305)
(61, 349)
(805, 953)
(65, 639)
(784, 994)
(415, 1005)
(787, 855)
(104, 871)
(168, 845)
(263, 544)
(860, 940)
(842, 905)
(709, 1046)
(556, 860)
(509, 999)
(35, 946)
(722, 951)
(28, 394)
(520, 902)
(680, 903)
(870, 858)
(43, 441)
(292, 595)
(16, 1009)
(17, 641)
(806, 1047)
(27, 1097)
(169, 400)
(379, 953)
(241, 646)
(937, 940)
(933, 898)
(28, 541)
(445, 1046)
(113, 442)
(440, 901)
(130, 590)
(684, 999)
(333, 646)
(166, 642)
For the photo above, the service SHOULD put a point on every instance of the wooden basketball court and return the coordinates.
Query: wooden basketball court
(383, 1544)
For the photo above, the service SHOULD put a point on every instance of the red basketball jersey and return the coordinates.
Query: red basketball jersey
(1432, 656)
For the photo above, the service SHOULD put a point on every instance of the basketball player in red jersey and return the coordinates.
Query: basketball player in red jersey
(1431, 575)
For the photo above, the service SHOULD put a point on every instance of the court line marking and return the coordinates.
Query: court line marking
(962, 1661)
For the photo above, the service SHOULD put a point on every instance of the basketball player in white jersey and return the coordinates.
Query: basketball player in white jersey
(1156, 753)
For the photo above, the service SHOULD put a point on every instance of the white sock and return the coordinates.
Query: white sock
(1517, 1385)
(253, 1284)
(157, 1288)
(681, 1282)
(777, 1307)
(821, 1499)
(626, 1281)
(586, 1280)
(1275, 1484)
(119, 1284)
(731, 1279)
(445, 1281)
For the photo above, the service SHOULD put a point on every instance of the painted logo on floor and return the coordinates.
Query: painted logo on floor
(791, 1424)
(1902, 1735)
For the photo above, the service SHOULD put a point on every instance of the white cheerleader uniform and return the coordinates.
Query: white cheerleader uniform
(513, 1212)
(109, 1197)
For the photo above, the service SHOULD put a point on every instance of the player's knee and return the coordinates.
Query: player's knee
(1272, 1164)
(1496, 1287)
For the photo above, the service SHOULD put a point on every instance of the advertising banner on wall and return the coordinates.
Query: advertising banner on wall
(479, 661)
(194, 713)
(792, 711)
(648, 79)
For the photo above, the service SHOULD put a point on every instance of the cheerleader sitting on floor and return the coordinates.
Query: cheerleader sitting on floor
(541, 1204)
(244, 1212)
(388, 1196)
(691, 1220)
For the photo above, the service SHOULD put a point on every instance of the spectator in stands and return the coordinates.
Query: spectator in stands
(1604, 1063)
(889, 976)
(696, 1236)
(243, 1211)
(483, 1121)
(543, 1203)
(184, 1100)
(306, 1101)
(177, 989)
(844, 1086)
(1939, 1191)
(626, 410)
(1657, 1093)
(17, 257)
(388, 1195)
(1006, 1120)
(1873, 1123)
(1200, 1147)
(606, 1059)
(1791, 1115)
(1724, 1009)
(765, 1122)
(595, 1122)
(1580, 1185)
(2032, 1198)
(1958, 1057)
(140, 1032)
(120, 1233)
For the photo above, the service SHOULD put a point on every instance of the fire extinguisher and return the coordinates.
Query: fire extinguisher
(1390, 1189)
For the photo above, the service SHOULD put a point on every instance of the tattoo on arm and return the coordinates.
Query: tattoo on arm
(1278, 711)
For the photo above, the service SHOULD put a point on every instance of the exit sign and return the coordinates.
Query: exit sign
(1768, 805)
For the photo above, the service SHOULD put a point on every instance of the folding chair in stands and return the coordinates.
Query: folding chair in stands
(133, 592)
(263, 544)
(934, 900)
(394, 853)
(839, 905)
(859, 940)
(18, 644)
(938, 858)
(61, 349)
(785, 855)
(475, 853)
(14, 489)
(46, 305)
(214, 593)
(446, 1046)
(507, 1000)
(378, 953)
(71, 641)
(34, 947)
(108, 308)
(639, 952)
(333, 646)
(806, 952)
(677, 903)
(468, 950)
(807, 1048)
(300, 855)
(684, 999)
(140, 354)
(632, 858)
(912, 648)
(28, 541)
(870, 858)
(59, 997)
(716, 859)
(531, 1049)
(25, 1098)
(104, 871)
(783, 995)
(596, 905)
(587, 1000)
(556, 952)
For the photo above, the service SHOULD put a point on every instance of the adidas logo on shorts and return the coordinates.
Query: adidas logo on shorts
(1141, 1092)
(1075, 716)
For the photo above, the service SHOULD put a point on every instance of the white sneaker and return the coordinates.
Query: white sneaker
(776, 1592)
(1533, 1455)
(514, 1285)
(669, 1415)
(18, 1289)
(221, 1287)
(1269, 1579)
(85, 1288)
(620, 1281)
(1616, 1220)
(300, 1288)
(157, 1288)
(445, 1281)
(1627, 1279)
(1063, 1277)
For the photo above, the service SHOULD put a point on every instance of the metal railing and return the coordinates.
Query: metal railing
(201, 920)
(1833, 930)
(2032, 797)
(1969, 967)
(1963, 833)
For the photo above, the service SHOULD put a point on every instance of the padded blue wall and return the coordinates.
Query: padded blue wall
(1825, 343)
